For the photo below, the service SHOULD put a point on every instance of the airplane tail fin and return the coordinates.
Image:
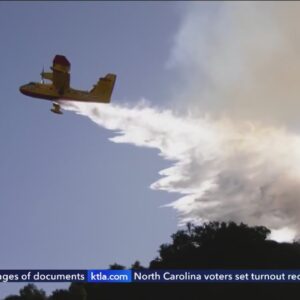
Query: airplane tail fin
(103, 89)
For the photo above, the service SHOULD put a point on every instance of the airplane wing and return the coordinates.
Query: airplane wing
(60, 75)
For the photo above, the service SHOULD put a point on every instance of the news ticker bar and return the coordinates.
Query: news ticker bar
(151, 276)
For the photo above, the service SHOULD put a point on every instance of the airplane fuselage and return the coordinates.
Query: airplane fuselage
(49, 92)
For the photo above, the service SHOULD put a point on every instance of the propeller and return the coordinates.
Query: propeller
(42, 81)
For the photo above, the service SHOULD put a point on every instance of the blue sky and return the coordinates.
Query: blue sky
(69, 197)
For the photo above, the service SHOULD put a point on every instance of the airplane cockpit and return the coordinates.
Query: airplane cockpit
(30, 85)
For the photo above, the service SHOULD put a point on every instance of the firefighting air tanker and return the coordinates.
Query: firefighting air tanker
(59, 88)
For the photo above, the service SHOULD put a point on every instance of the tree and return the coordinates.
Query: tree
(77, 291)
(116, 266)
(225, 245)
(60, 295)
(137, 266)
(29, 292)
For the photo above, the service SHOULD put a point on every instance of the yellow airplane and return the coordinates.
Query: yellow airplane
(59, 88)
